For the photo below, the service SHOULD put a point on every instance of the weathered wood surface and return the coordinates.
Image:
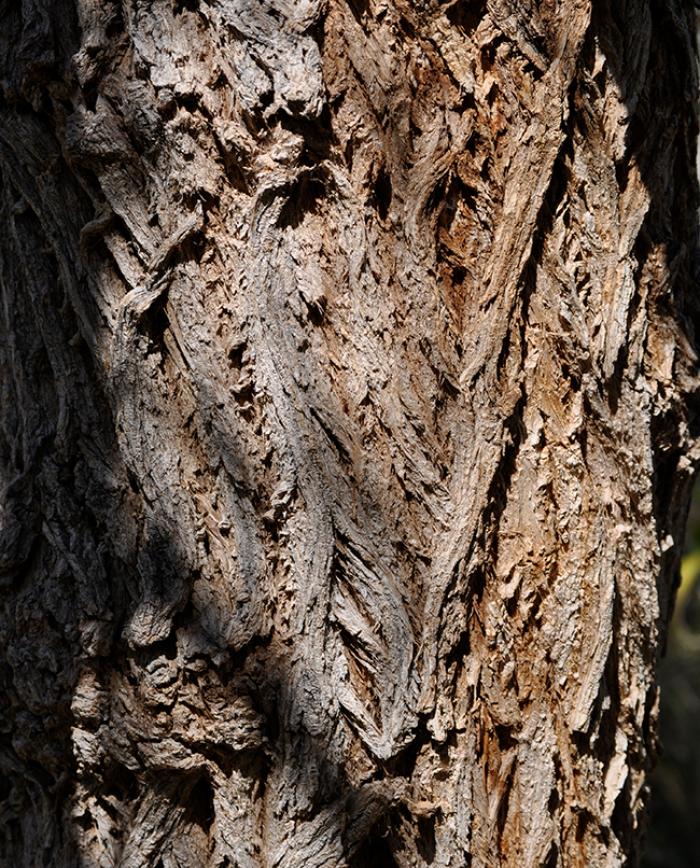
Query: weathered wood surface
(348, 419)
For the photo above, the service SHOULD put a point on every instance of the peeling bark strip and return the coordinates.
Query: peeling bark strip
(349, 416)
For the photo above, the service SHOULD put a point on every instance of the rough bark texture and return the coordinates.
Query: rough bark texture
(348, 419)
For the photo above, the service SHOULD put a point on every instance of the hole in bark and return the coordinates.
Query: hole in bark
(466, 15)
(467, 103)
(532, 70)
(473, 144)
(375, 851)
(492, 95)
(552, 859)
(156, 323)
(458, 275)
(407, 27)
(613, 386)
(382, 193)
(488, 55)
(302, 200)
(115, 26)
(85, 821)
(478, 583)
(315, 315)
(236, 355)
(90, 95)
(318, 135)
(349, 153)
(404, 763)
(359, 9)
(582, 822)
(193, 104)
(426, 838)
(201, 802)
(164, 648)
(506, 741)
(167, 110)
(179, 6)
(133, 481)
(122, 783)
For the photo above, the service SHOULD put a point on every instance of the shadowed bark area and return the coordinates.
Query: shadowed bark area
(347, 426)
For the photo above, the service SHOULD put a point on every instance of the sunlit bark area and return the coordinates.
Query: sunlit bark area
(347, 426)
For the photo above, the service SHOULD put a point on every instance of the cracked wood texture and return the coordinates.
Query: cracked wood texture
(348, 420)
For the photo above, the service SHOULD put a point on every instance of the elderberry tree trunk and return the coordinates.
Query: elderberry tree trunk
(348, 420)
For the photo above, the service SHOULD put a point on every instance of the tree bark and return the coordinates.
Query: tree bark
(349, 415)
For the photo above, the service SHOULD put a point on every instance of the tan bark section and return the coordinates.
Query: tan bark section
(348, 421)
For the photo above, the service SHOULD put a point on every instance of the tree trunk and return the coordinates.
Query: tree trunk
(349, 415)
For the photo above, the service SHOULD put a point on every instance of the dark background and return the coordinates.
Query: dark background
(672, 837)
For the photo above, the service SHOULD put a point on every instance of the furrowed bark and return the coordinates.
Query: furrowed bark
(348, 422)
